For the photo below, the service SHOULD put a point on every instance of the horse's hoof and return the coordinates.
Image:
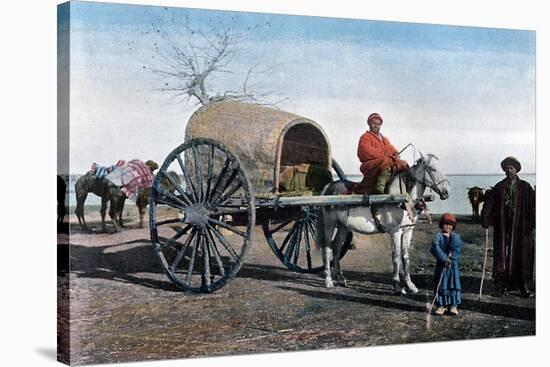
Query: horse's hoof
(329, 284)
(412, 288)
(399, 290)
(343, 283)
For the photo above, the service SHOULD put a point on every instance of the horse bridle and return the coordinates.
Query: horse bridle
(428, 171)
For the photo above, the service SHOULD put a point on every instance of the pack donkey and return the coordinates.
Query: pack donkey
(107, 191)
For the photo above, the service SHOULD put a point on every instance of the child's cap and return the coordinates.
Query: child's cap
(447, 218)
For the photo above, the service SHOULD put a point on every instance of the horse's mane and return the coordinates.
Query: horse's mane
(408, 175)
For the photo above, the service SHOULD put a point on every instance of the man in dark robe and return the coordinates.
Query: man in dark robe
(510, 208)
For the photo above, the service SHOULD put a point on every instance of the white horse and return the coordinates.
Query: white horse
(392, 219)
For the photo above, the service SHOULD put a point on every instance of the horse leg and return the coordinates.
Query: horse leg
(338, 242)
(396, 259)
(79, 211)
(120, 211)
(141, 210)
(327, 257)
(120, 222)
(323, 232)
(405, 244)
(102, 212)
(113, 213)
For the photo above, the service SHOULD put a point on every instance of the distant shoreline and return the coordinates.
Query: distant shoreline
(488, 174)
(358, 174)
(466, 174)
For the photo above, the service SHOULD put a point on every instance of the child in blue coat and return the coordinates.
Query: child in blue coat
(446, 248)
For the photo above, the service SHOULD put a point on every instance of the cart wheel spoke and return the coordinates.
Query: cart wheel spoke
(198, 175)
(178, 235)
(209, 173)
(289, 235)
(225, 183)
(215, 252)
(220, 179)
(227, 226)
(168, 221)
(191, 266)
(177, 187)
(282, 225)
(182, 251)
(187, 177)
(224, 242)
(206, 279)
(297, 245)
(291, 244)
(221, 200)
(311, 228)
(307, 245)
(170, 199)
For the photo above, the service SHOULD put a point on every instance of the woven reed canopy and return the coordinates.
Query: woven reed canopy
(265, 139)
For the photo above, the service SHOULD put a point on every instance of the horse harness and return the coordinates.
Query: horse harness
(419, 205)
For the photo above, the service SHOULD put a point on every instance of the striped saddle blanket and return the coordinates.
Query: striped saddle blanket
(131, 177)
(102, 171)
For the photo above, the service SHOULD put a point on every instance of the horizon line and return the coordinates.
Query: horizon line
(448, 174)
(464, 174)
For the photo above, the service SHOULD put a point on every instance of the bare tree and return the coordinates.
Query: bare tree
(190, 61)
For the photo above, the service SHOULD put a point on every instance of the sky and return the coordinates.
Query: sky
(466, 94)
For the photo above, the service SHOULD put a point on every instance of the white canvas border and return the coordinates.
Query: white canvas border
(28, 274)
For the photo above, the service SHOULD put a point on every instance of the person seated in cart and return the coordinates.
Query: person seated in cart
(379, 158)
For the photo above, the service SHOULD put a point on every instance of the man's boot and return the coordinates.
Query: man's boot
(524, 292)
(382, 179)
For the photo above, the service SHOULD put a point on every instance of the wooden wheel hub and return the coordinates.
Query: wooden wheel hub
(196, 215)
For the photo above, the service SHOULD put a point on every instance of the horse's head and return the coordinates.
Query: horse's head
(426, 171)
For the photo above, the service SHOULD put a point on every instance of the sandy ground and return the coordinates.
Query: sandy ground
(123, 308)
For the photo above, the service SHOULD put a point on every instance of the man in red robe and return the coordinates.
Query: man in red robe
(510, 208)
(379, 158)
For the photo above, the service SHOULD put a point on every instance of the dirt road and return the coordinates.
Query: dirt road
(123, 308)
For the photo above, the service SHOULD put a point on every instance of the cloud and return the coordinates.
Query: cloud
(445, 101)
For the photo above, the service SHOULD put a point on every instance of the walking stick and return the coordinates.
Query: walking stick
(484, 262)
(437, 290)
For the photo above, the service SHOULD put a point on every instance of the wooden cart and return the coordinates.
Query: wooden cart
(231, 164)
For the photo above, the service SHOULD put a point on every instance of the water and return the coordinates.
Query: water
(70, 197)
(457, 203)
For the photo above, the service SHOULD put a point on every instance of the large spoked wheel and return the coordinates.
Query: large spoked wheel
(292, 238)
(202, 215)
